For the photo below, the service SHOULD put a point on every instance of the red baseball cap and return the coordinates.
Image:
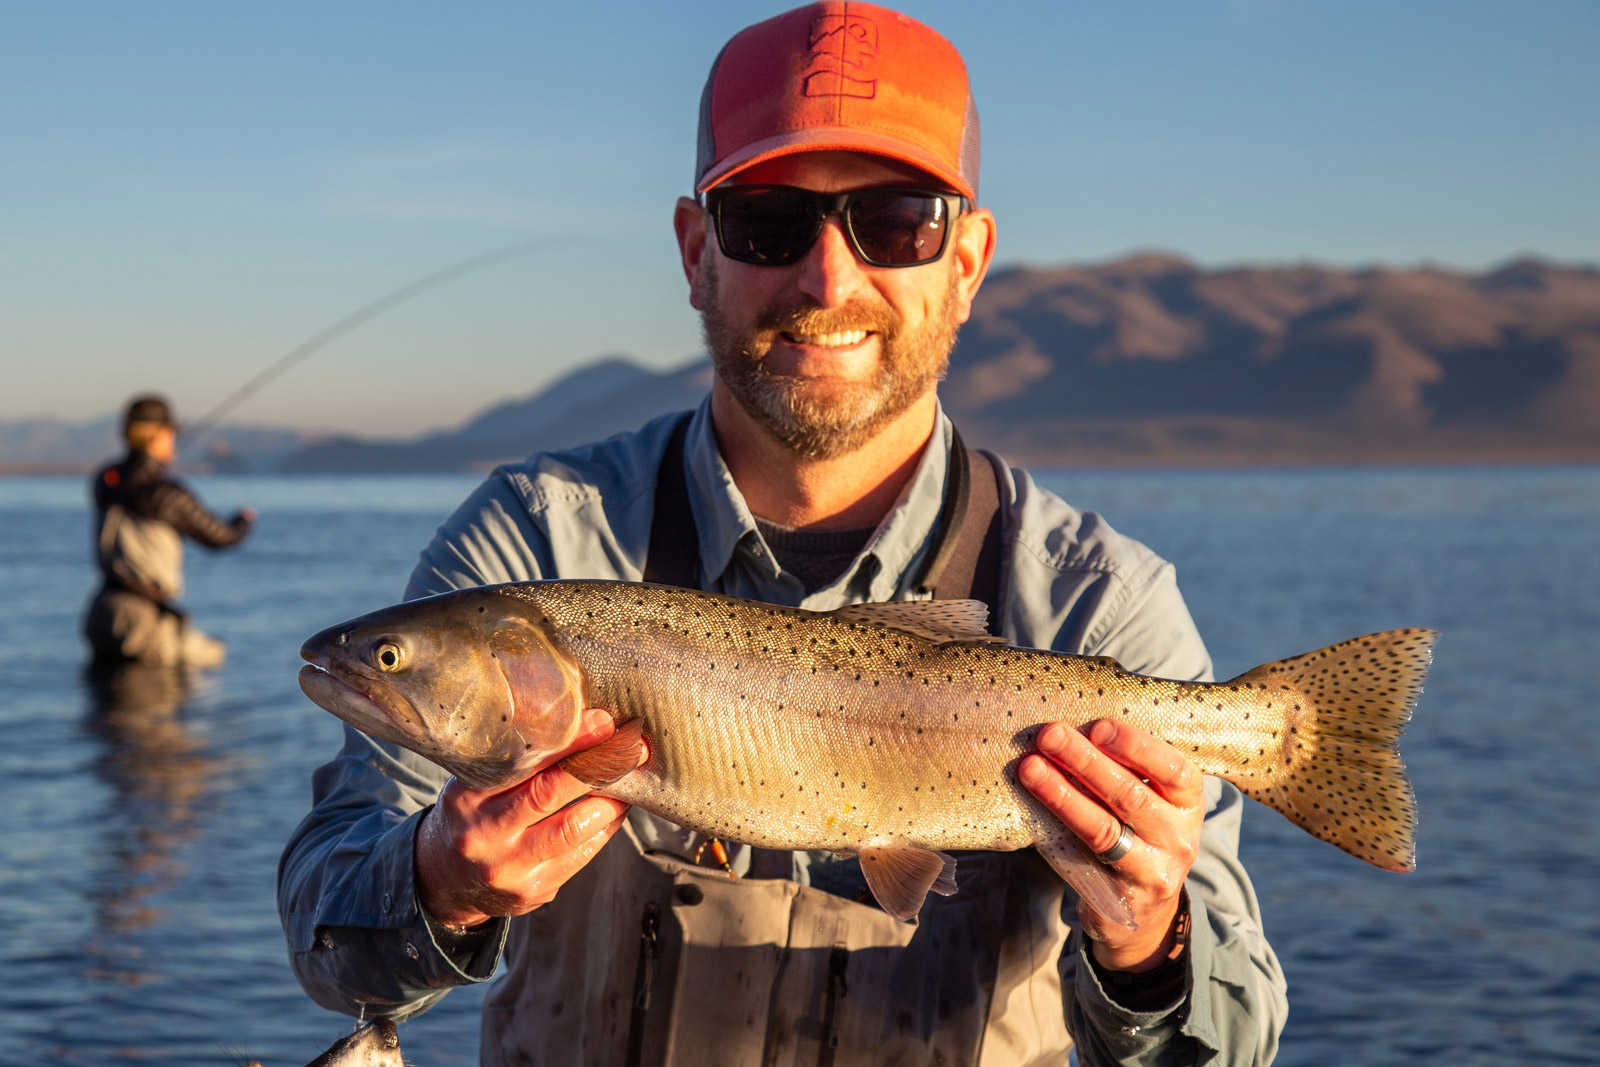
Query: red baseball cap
(839, 76)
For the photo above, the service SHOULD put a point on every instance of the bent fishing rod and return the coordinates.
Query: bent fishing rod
(198, 429)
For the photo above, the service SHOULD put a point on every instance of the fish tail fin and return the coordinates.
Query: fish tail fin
(1341, 778)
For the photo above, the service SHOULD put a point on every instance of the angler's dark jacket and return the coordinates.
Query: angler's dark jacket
(142, 516)
(645, 957)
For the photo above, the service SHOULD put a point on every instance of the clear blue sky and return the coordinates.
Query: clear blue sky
(188, 190)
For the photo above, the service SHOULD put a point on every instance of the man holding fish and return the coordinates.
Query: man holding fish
(833, 248)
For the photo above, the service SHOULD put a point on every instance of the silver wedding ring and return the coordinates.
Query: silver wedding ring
(1118, 850)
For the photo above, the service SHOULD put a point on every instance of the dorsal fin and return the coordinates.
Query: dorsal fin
(935, 620)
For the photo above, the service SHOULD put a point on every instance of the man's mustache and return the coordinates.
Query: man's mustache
(858, 315)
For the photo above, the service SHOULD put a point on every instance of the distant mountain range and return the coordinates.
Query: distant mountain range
(1143, 360)
(59, 446)
(1151, 359)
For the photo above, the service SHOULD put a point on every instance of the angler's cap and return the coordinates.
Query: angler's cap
(149, 409)
(839, 76)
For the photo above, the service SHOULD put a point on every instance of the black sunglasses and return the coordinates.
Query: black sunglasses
(776, 225)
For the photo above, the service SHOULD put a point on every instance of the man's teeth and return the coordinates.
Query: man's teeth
(829, 340)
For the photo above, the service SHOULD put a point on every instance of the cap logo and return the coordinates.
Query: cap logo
(843, 51)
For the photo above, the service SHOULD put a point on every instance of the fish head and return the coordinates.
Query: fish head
(375, 1044)
(470, 679)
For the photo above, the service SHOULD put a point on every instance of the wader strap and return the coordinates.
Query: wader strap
(963, 562)
(674, 554)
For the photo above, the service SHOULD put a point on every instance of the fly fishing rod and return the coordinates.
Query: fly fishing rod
(410, 290)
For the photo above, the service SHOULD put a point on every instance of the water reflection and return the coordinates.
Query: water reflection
(158, 773)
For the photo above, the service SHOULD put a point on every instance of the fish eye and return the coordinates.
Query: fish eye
(388, 656)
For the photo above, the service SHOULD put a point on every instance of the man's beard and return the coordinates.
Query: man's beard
(826, 419)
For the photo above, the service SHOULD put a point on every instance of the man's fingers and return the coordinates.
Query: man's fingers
(547, 791)
(562, 845)
(1152, 759)
(1081, 812)
(1140, 768)
(1106, 780)
(580, 825)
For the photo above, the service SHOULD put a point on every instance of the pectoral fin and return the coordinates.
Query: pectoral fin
(613, 758)
(900, 877)
(1093, 880)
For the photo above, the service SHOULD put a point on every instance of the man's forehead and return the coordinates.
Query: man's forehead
(834, 170)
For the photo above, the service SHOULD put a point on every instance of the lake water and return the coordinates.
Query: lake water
(137, 920)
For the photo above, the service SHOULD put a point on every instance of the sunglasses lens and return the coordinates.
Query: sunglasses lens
(775, 225)
(897, 228)
(769, 226)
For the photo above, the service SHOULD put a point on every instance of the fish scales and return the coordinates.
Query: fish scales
(873, 727)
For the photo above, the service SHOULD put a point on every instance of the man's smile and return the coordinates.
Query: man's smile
(837, 339)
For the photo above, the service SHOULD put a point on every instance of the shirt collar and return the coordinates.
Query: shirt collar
(882, 571)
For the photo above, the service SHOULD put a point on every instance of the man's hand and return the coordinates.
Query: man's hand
(1114, 775)
(488, 853)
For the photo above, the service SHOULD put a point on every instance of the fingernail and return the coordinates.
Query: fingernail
(1103, 732)
(596, 720)
(1031, 771)
(1053, 739)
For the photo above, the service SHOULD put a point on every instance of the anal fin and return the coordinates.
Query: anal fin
(1093, 881)
(610, 760)
(900, 877)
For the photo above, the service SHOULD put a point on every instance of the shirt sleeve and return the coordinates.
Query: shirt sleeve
(358, 938)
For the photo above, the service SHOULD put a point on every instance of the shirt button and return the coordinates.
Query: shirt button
(386, 901)
(327, 939)
(411, 951)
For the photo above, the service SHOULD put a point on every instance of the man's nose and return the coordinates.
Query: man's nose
(830, 273)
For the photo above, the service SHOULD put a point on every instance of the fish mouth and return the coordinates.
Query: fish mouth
(365, 703)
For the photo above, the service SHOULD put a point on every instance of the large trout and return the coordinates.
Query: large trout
(891, 731)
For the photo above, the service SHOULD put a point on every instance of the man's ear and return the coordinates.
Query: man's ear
(974, 242)
(690, 222)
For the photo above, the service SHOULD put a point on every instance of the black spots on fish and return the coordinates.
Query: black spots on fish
(482, 610)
